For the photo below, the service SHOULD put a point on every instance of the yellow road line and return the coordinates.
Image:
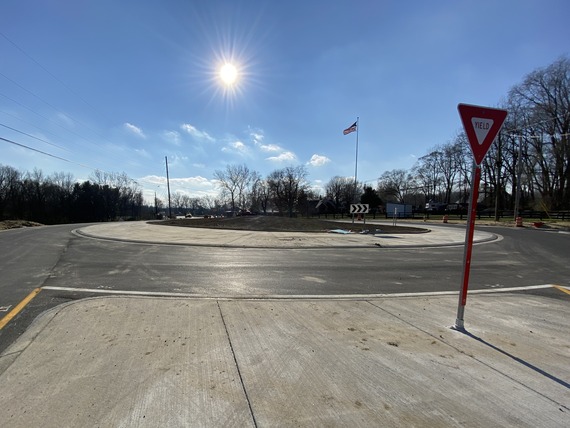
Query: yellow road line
(18, 308)
(564, 290)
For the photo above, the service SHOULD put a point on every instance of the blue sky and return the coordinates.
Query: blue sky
(118, 85)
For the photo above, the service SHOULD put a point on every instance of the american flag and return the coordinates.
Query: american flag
(350, 129)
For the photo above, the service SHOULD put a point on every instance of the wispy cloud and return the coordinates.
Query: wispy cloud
(135, 130)
(196, 133)
(318, 160)
(283, 157)
(270, 148)
(172, 137)
(68, 121)
(257, 136)
(196, 186)
(236, 147)
(193, 182)
(143, 153)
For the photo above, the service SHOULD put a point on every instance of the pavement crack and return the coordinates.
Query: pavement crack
(237, 365)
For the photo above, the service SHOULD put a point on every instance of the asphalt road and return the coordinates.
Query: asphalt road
(53, 256)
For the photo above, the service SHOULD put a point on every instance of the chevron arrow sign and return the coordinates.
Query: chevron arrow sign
(358, 208)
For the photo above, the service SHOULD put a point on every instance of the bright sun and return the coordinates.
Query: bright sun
(228, 74)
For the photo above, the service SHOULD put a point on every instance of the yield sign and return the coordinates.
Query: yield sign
(482, 124)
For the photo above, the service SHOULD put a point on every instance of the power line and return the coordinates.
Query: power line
(34, 137)
(66, 160)
(49, 104)
(538, 137)
(49, 120)
(47, 71)
(523, 127)
(42, 152)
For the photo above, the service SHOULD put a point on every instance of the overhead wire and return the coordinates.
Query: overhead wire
(24, 146)
(50, 105)
(49, 120)
(42, 152)
(34, 137)
(47, 71)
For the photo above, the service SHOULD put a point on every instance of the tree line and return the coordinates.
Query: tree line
(58, 198)
(528, 166)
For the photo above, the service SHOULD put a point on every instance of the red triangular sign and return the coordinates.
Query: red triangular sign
(481, 124)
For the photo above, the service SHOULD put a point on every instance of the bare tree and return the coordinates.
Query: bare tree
(340, 190)
(63, 180)
(185, 203)
(544, 101)
(395, 185)
(235, 182)
(176, 200)
(286, 185)
(259, 193)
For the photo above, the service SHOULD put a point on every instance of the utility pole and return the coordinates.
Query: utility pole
(168, 186)
(155, 206)
(356, 168)
(498, 180)
(519, 174)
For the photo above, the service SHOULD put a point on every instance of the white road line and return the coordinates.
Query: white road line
(295, 296)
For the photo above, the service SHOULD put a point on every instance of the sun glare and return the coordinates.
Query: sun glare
(228, 74)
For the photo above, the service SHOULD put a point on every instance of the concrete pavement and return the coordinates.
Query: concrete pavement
(437, 235)
(391, 361)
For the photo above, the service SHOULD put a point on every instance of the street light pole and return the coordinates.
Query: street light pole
(168, 186)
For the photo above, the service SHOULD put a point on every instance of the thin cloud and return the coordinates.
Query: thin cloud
(193, 182)
(196, 133)
(172, 137)
(283, 157)
(143, 153)
(318, 160)
(236, 146)
(197, 181)
(135, 130)
(257, 137)
(270, 148)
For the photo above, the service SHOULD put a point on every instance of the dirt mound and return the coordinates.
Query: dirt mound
(15, 224)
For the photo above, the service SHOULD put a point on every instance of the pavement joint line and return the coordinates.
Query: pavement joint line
(18, 308)
(294, 296)
(237, 366)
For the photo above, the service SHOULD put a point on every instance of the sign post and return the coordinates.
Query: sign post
(359, 209)
(481, 124)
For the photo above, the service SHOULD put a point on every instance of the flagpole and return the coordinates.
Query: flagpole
(356, 161)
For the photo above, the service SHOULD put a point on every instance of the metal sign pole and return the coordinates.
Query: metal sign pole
(482, 125)
(476, 178)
